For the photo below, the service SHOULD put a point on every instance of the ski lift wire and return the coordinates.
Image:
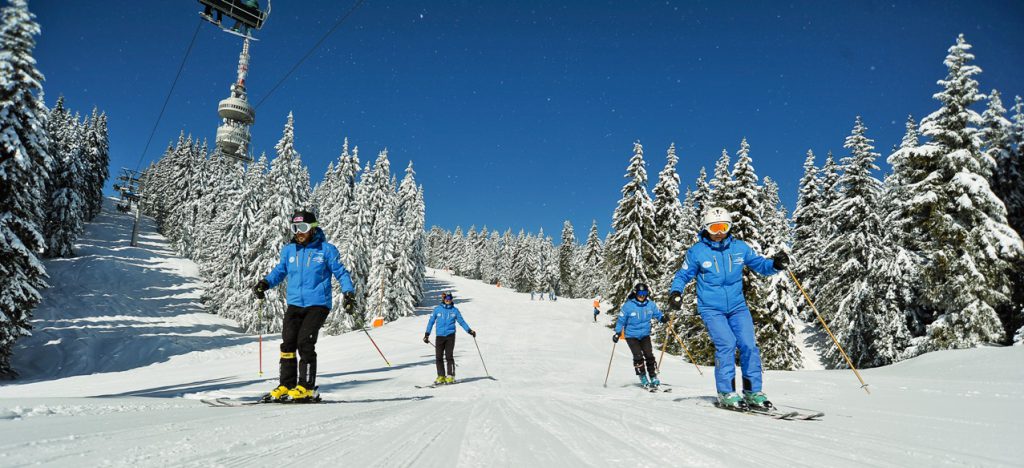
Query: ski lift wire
(174, 83)
(311, 50)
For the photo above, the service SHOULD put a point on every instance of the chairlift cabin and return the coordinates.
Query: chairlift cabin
(129, 189)
(246, 13)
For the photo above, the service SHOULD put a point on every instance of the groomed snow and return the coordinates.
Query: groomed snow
(123, 352)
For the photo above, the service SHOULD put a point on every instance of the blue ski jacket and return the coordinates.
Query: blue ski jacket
(718, 267)
(636, 317)
(308, 269)
(446, 316)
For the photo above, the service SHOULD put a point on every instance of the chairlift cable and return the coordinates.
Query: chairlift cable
(311, 50)
(174, 83)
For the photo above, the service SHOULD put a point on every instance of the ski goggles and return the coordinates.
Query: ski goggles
(302, 227)
(446, 298)
(641, 294)
(718, 228)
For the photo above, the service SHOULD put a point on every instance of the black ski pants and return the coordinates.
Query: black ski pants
(641, 349)
(301, 328)
(445, 348)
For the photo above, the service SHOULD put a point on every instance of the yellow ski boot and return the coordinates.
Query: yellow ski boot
(300, 394)
(276, 394)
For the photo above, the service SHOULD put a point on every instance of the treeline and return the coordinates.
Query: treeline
(233, 219)
(926, 257)
(53, 166)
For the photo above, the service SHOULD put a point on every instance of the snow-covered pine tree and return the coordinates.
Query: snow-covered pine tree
(97, 157)
(1008, 184)
(630, 255)
(701, 193)
(25, 165)
(742, 196)
(669, 228)
(900, 282)
(1011, 171)
(467, 260)
(409, 224)
(775, 333)
(589, 266)
(567, 262)
(718, 185)
(506, 262)
(849, 298)
(65, 205)
(538, 261)
(806, 217)
(491, 268)
(972, 248)
(522, 269)
(241, 229)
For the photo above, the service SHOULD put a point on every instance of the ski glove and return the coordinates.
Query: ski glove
(780, 261)
(472, 333)
(350, 303)
(664, 318)
(675, 300)
(260, 288)
(615, 338)
(426, 338)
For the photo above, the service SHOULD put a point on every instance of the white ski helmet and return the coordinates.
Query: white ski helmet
(716, 214)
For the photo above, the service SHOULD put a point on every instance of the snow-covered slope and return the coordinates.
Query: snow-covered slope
(136, 353)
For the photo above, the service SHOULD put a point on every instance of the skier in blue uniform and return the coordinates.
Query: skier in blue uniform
(635, 316)
(308, 262)
(445, 316)
(717, 262)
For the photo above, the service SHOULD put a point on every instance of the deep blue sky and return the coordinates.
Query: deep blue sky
(523, 114)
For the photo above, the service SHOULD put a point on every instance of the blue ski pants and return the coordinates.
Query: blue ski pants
(729, 331)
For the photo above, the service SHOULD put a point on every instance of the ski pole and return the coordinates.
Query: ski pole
(375, 346)
(259, 326)
(681, 345)
(820, 319)
(481, 356)
(664, 343)
(606, 374)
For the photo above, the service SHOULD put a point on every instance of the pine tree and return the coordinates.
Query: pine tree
(719, 184)
(668, 228)
(65, 205)
(901, 285)
(630, 255)
(589, 265)
(971, 249)
(241, 229)
(25, 165)
(850, 297)
(806, 243)
(701, 194)
(567, 262)
(775, 332)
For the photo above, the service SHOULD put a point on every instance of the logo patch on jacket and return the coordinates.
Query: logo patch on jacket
(319, 258)
(707, 264)
(291, 259)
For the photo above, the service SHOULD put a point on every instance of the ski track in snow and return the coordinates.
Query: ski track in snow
(122, 352)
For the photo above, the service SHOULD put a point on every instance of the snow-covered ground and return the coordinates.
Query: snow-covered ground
(122, 353)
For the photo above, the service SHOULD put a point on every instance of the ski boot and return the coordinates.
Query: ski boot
(301, 394)
(655, 383)
(757, 401)
(276, 394)
(449, 380)
(731, 400)
(644, 382)
(439, 380)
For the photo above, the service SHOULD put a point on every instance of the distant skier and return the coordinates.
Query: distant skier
(597, 307)
(635, 316)
(717, 261)
(308, 262)
(445, 315)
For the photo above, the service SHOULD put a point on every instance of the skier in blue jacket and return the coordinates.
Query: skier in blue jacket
(445, 316)
(717, 262)
(308, 262)
(635, 316)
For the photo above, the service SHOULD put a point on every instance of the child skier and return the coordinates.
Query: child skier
(597, 308)
(635, 316)
(445, 315)
(308, 261)
(717, 261)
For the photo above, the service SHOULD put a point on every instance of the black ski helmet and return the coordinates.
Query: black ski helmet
(303, 216)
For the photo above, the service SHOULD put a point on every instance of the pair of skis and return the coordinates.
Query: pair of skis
(774, 413)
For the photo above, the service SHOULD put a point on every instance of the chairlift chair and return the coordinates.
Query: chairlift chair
(246, 13)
